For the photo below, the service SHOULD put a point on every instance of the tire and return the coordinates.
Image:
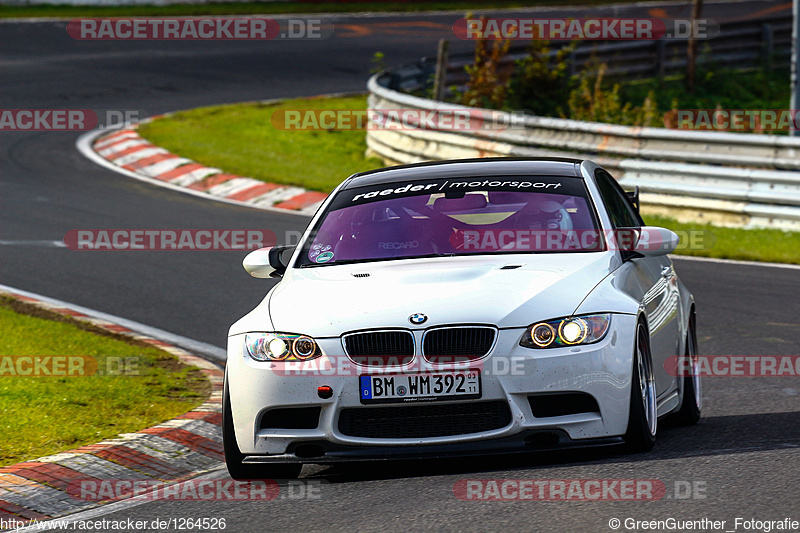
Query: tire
(692, 390)
(233, 456)
(643, 415)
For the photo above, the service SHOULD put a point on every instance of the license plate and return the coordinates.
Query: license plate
(391, 388)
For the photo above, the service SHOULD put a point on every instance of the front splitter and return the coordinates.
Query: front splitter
(323, 452)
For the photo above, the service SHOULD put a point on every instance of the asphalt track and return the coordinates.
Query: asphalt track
(743, 455)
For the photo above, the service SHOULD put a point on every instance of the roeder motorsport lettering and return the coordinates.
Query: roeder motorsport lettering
(439, 187)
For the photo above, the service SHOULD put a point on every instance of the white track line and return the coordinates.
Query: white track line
(46, 244)
(734, 262)
(218, 472)
(197, 347)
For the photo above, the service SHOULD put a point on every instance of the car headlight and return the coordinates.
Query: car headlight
(281, 347)
(570, 331)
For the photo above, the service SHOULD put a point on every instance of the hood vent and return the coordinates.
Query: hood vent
(510, 267)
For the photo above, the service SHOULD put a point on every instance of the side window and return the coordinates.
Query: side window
(619, 207)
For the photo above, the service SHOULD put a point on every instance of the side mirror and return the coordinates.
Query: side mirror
(266, 262)
(654, 241)
(647, 241)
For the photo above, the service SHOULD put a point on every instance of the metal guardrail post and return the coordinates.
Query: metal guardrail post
(767, 44)
(439, 79)
(795, 97)
(661, 52)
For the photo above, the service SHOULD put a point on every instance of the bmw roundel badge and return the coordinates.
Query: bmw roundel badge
(417, 318)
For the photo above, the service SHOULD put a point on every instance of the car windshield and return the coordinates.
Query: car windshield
(454, 217)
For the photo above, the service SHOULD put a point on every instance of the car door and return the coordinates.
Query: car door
(658, 283)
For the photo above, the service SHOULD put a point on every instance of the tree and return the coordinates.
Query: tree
(691, 49)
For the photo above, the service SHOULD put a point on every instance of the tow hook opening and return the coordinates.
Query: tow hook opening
(543, 440)
(308, 451)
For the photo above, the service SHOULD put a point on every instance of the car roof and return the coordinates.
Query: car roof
(465, 168)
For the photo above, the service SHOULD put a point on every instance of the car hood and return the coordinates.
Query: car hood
(507, 291)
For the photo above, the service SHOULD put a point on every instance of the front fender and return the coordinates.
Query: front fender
(619, 292)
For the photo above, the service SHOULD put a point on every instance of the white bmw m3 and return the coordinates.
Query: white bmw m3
(461, 308)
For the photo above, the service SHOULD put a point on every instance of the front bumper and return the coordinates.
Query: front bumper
(510, 373)
(324, 452)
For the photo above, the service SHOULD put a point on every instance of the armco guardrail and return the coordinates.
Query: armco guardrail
(686, 174)
(730, 196)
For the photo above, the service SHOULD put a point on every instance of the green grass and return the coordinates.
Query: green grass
(48, 414)
(705, 240)
(241, 139)
(276, 8)
(591, 95)
(730, 89)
